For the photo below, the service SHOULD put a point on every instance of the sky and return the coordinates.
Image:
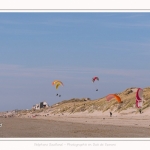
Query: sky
(38, 48)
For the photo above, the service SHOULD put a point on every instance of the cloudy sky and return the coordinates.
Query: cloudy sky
(37, 48)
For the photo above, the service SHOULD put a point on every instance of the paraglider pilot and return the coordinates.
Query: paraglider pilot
(110, 114)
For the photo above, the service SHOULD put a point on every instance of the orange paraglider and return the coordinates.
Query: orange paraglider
(110, 96)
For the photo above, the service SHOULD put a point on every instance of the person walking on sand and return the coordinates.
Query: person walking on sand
(110, 114)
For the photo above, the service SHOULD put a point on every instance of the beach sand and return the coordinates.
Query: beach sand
(78, 125)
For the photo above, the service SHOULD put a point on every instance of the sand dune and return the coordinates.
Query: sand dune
(81, 118)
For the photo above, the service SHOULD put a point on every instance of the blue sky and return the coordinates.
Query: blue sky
(37, 48)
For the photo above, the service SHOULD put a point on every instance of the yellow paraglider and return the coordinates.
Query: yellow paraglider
(54, 82)
(57, 83)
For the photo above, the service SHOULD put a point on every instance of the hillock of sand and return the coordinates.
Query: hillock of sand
(101, 105)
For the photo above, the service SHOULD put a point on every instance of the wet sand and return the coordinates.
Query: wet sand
(41, 128)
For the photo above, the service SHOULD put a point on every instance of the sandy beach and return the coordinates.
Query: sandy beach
(81, 125)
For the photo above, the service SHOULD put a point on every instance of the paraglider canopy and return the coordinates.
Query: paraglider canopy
(53, 83)
(57, 83)
(139, 94)
(110, 96)
(139, 97)
(95, 78)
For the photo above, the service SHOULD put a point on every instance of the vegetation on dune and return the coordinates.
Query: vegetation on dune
(85, 104)
(81, 105)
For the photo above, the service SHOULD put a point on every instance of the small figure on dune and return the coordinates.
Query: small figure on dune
(110, 114)
(56, 94)
(59, 95)
(96, 89)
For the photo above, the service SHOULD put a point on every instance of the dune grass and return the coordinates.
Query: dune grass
(75, 105)
(80, 105)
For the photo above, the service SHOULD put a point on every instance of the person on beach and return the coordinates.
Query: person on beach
(110, 114)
